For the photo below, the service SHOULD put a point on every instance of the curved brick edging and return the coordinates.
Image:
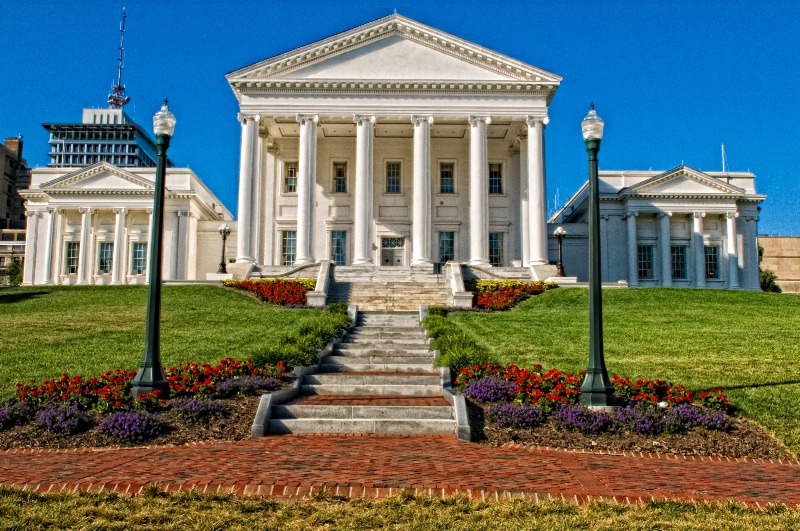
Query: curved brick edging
(296, 466)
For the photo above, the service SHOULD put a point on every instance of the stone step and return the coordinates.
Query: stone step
(396, 365)
(371, 351)
(373, 378)
(400, 332)
(376, 426)
(361, 412)
(386, 343)
(370, 389)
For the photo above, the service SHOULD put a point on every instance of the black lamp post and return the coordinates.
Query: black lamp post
(224, 230)
(559, 234)
(150, 376)
(596, 390)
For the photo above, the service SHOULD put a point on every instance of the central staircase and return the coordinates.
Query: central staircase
(388, 288)
(380, 380)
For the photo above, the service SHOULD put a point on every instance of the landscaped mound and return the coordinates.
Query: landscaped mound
(283, 291)
(504, 294)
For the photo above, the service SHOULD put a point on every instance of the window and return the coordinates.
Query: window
(447, 247)
(138, 258)
(71, 258)
(338, 247)
(392, 177)
(446, 178)
(495, 179)
(105, 253)
(290, 178)
(340, 177)
(678, 253)
(496, 249)
(712, 261)
(288, 247)
(645, 253)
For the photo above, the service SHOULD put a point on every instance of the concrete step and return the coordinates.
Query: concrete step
(392, 332)
(387, 343)
(362, 412)
(370, 389)
(373, 378)
(396, 365)
(377, 426)
(372, 351)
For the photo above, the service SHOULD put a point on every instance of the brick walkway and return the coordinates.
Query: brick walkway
(375, 466)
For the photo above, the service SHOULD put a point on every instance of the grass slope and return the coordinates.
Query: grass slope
(87, 330)
(746, 342)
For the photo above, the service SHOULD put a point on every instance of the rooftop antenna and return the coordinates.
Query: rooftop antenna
(117, 97)
(724, 159)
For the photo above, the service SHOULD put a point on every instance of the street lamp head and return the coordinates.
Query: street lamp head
(164, 121)
(224, 229)
(560, 232)
(592, 125)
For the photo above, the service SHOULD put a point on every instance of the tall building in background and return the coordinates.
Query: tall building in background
(15, 176)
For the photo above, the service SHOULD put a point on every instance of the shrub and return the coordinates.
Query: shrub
(491, 389)
(14, 272)
(510, 415)
(13, 413)
(278, 291)
(577, 417)
(504, 294)
(245, 385)
(129, 427)
(66, 417)
(437, 311)
(767, 279)
(198, 410)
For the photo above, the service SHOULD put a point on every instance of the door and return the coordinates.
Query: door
(392, 251)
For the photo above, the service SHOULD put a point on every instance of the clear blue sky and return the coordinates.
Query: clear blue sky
(672, 80)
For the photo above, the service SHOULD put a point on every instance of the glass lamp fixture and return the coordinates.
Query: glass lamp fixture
(560, 232)
(224, 229)
(164, 121)
(592, 125)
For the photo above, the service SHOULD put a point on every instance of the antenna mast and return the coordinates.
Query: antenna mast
(117, 97)
(723, 158)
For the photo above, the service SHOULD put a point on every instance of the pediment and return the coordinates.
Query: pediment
(683, 181)
(393, 48)
(98, 176)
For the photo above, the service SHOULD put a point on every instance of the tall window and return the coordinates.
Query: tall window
(447, 247)
(645, 253)
(340, 177)
(496, 249)
(678, 254)
(712, 261)
(392, 177)
(338, 247)
(288, 247)
(290, 178)
(71, 257)
(495, 179)
(446, 178)
(105, 253)
(138, 258)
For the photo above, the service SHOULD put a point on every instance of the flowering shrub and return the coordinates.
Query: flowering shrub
(532, 386)
(661, 390)
(645, 419)
(13, 413)
(689, 416)
(278, 291)
(577, 417)
(510, 415)
(131, 426)
(66, 417)
(245, 385)
(196, 410)
(490, 389)
(504, 294)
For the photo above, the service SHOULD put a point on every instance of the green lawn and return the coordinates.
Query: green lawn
(745, 342)
(87, 330)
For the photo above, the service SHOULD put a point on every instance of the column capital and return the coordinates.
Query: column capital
(531, 121)
(473, 120)
(51, 210)
(32, 213)
(698, 214)
(604, 216)
(751, 218)
(732, 214)
(359, 118)
(181, 213)
(632, 214)
(305, 118)
(665, 214)
(244, 118)
(149, 211)
(421, 118)
(120, 210)
(85, 210)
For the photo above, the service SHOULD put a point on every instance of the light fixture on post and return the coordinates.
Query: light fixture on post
(150, 376)
(559, 234)
(596, 390)
(224, 231)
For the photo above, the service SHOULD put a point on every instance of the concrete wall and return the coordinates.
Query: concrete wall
(782, 255)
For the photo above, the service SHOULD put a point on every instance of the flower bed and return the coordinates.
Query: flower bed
(504, 294)
(287, 292)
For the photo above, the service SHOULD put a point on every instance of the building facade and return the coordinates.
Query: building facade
(16, 176)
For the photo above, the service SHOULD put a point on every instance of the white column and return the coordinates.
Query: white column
(362, 248)
(666, 250)
(48, 246)
(83, 251)
(119, 229)
(478, 191)
(421, 235)
(149, 242)
(179, 253)
(306, 177)
(699, 250)
(633, 251)
(537, 201)
(29, 268)
(524, 208)
(733, 262)
(247, 170)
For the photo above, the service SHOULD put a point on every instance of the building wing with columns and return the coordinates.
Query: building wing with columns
(392, 144)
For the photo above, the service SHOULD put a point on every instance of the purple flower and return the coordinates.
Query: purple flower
(490, 389)
(577, 417)
(510, 415)
(66, 417)
(645, 419)
(194, 410)
(13, 413)
(692, 416)
(131, 426)
(245, 385)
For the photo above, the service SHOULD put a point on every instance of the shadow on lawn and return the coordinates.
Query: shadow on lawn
(751, 386)
(11, 298)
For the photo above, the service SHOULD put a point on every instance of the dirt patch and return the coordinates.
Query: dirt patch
(745, 439)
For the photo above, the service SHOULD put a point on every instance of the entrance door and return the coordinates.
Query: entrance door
(392, 251)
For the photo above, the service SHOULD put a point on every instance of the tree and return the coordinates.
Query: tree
(15, 272)
(767, 277)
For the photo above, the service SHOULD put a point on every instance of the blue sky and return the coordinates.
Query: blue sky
(672, 80)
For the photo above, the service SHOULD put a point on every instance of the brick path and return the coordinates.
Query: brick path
(375, 466)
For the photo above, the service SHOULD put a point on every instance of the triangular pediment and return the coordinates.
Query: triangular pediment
(683, 181)
(98, 176)
(393, 48)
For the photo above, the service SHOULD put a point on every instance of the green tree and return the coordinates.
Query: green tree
(767, 277)
(15, 272)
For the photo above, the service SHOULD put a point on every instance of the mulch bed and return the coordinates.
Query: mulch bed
(745, 439)
(233, 427)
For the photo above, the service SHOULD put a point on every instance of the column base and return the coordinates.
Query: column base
(480, 263)
(245, 259)
(421, 262)
(362, 261)
(538, 262)
(304, 261)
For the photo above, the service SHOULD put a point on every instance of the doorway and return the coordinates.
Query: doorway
(392, 251)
